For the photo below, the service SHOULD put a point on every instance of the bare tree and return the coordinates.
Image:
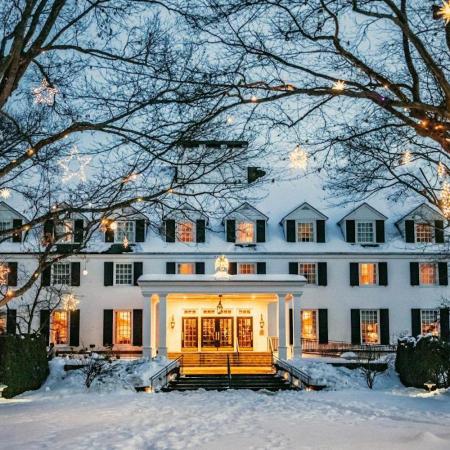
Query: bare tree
(368, 360)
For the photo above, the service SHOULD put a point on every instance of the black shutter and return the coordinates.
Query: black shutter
(12, 274)
(170, 230)
(291, 326)
(200, 268)
(379, 231)
(261, 268)
(445, 329)
(293, 268)
(443, 274)
(200, 232)
(350, 230)
(137, 272)
(170, 268)
(139, 230)
(260, 231)
(231, 230)
(46, 276)
(320, 231)
(17, 236)
(232, 268)
(75, 328)
(322, 276)
(354, 274)
(78, 231)
(108, 274)
(416, 325)
(49, 229)
(414, 273)
(75, 274)
(44, 325)
(384, 327)
(11, 321)
(356, 326)
(109, 235)
(290, 230)
(323, 326)
(107, 327)
(137, 327)
(383, 274)
(409, 231)
(439, 231)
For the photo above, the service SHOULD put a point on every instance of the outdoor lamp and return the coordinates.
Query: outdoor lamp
(2, 388)
(430, 386)
(172, 322)
(261, 322)
(219, 306)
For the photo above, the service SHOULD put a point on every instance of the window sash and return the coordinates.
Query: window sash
(428, 274)
(430, 321)
(123, 327)
(246, 268)
(186, 268)
(370, 326)
(309, 271)
(368, 274)
(309, 324)
(61, 274)
(245, 232)
(60, 327)
(5, 224)
(123, 274)
(64, 231)
(185, 231)
(125, 228)
(365, 232)
(424, 233)
(305, 232)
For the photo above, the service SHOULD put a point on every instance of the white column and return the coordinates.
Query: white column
(162, 350)
(282, 348)
(297, 325)
(147, 351)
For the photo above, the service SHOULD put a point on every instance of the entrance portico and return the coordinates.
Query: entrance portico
(203, 313)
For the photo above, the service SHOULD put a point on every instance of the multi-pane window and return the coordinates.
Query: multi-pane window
(245, 232)
(309, 324)
(4, 271)
(430, 320)
(370, 326)
(308, 270)
(124, 274)
(61, 273)
(246, 268)
(305, 231)
(5, 225)
(427, 274)
(424, 232)
(186, 268)
(60, 327)
(125, 229)
(2, 322)
(367, 274)
(364, 232)
(64, 231)
(185, 232)
(123, 327)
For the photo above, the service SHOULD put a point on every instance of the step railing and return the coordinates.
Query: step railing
(333, 348)
(303, 379)
(162, 376)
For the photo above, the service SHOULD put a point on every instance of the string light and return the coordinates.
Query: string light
(445, 199)
(339, 86)
(444, 11)
(70, 302)
(30, 152)
(254, 98)
(113, 226)
(298, 158)
(230, 120)
(5, 193)
(441, 170)
(81, 162)
(4, 271)
(125, 242)
(45, 94)
(130, 178)
(406, 158)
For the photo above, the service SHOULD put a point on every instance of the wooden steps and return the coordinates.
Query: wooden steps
(220, 359)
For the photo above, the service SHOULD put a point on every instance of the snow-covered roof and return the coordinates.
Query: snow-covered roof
(302, 207)
(423, 210)
(245, 210)
(364, 208)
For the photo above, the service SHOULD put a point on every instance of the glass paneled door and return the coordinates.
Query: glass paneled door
(245, 332)
(217, 332)
(189, 340)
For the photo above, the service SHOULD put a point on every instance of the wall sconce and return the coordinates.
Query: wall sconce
(219, 306)
(172, 322)
(261, 323)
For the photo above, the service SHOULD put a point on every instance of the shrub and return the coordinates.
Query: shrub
(23, 363)
(424, 359)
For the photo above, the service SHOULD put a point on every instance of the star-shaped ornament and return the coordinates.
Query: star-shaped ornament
(74, 165)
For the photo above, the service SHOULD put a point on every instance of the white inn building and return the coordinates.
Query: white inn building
(298, 272)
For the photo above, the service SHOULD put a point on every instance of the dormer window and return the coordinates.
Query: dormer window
(124, 229)
(424, 232)
(185, 232)
(245, 232)
(305, 231)
(5, 224)
(365, 232)
(64, 231)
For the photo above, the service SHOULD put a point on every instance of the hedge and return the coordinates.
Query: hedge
(23, 363)
(422, 360)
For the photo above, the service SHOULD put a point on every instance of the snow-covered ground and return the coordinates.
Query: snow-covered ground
(111, 416)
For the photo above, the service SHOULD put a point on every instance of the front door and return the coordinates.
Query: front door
(245, 332)
(217, 332)
(190, 333)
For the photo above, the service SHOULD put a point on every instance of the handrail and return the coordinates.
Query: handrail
(165, 372)
(270, 344)
(229, 371)
(293, 371)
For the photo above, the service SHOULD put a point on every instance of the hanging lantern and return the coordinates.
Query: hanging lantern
(219, 306)
(298, 158)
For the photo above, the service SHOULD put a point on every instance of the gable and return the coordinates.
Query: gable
(363, 212)
(246, 211)
(128, 213)
(9, 213)
(304, 212)
(423, 213)
(185, 212)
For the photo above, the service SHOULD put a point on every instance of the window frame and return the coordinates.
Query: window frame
(10, 225)
(438, 313)
(316, 270)
(315, 320)
(115, 312)
(377, 274)
(133, 231)
(314, 231)
(177, 268)
(360, 222)
(377, 323)
(69, 238)
(236, 228)
(194, 231)
(240, 264)
(436, 275)
(115, 274)
(433, 234)
(52, 330)
(52, 273)
(4, 319)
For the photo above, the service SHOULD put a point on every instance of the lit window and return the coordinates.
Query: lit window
(61, 274)
(309, 324)
(369, 326)
(64, 231)
(125, 229)
(4, 271)
(308, 270)
(60, 328)
(367, 274)
(246, 268)
(2, 322)
(245, 232)
(123, 327)
(430, 321)
(424, 232)
(305, 232)
(186, 268)
(427, 274)
(364, 232)
(124, 274)
(185, 232)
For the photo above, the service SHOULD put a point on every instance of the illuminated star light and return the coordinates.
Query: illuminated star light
(81, 162)
(406, 158)
(45, 94)
(444, 11)
(339, 86)
(70, 302)
(298, 158)
(5, 193)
